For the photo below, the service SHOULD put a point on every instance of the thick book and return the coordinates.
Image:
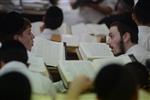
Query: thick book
(72, 68)
(50, 51)
(90, 51)
(75, 40)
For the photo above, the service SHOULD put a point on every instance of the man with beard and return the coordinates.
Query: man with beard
(123, 39)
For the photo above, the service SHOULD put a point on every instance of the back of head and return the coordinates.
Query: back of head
(13, 51)
(129, 26)
(140, 72)
(11, 24)
(54, 2)
(114, 83)
(14, 86)
(141, 11)
(53, 18)
(129, 4)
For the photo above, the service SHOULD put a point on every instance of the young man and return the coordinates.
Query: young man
(15, 86)
(53, 19)
(13, 57)
(142, 18)
(113, 82)
(14, 27)
(123, 39)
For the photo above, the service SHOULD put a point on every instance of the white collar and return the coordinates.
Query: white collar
(13, 66)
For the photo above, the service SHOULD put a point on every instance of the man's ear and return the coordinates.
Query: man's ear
(43, 18)
(126, 37)
(1, 64)
(16, 37)
(135, 19)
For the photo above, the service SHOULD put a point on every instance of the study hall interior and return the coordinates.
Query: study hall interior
(75, 49)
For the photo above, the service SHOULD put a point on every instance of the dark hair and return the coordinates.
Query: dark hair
(114, 83)
(13, 50)
(53, 18)
(140, 11)
(139, 71)
(54, 2)
(127, 26)
(14, 86)
(129, 4)
(11, 24)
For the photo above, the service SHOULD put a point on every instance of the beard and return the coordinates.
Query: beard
(121, 48)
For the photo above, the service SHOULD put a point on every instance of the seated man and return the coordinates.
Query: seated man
(53, 19)
(14, 86)
(123, 39)
(13, 26)
(140, 72)
(13, 57)
(112, 82)
(142, 19)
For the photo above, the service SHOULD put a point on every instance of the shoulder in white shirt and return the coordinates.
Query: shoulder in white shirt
(140, 53)
(39, 83)
(47, 33)
(144, 37)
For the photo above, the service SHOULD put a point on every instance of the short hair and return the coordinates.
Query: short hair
(11, 24)
(114, 83)
(129, 4)
(140, 72)
(53, 18)
(13, 51)
(14, 86)
(140, 11)
(127, 26)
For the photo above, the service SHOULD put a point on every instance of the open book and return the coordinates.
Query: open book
(83, 33)
(75, 40)
(50, 51)
(92, 29)
(90, 51)
(70, 69)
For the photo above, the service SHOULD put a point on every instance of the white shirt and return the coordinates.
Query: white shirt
(139, 53)
(93, 16)
(144, 37)
(47, 33)
(39, 83)
(135, 1)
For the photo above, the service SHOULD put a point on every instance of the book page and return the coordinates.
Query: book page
(95, 50)
(100, 63)
(37, 48)
(74, 40)
(79, 29)
(37, 64)
(53, 52)
(71, 69)
(98, 29)
(71, 40)
(50, 51)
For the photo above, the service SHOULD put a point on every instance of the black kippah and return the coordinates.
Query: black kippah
(11, 23)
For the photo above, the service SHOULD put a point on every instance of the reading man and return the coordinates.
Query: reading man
(123, 39)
